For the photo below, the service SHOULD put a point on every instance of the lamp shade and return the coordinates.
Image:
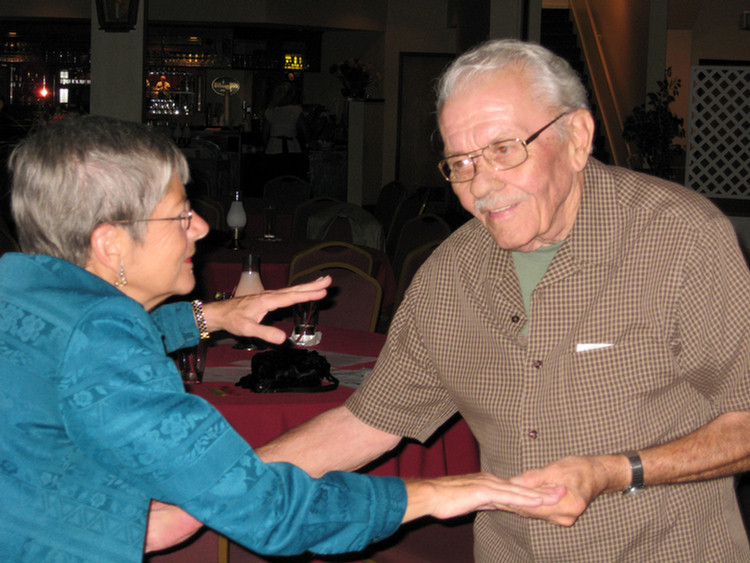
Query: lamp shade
(117, 15)
(236, 218)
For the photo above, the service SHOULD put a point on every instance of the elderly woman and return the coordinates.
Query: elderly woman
(94, 420)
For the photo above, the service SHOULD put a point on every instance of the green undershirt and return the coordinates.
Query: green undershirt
(530, 267)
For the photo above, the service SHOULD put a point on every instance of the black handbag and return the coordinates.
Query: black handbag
(289, 370)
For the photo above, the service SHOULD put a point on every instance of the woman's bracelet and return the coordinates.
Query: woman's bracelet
(200, 319)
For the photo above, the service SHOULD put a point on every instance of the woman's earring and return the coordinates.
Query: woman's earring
(122, 281)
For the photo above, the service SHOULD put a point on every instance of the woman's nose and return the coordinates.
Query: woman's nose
(198, 226)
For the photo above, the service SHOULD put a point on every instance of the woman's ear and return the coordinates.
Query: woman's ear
(581, 130)
(107, 247)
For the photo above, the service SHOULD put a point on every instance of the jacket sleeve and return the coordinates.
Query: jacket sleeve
(176, 323)
(123, 403)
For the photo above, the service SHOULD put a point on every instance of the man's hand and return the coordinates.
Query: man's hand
(584, 479)
(168, 525)
(242, 316)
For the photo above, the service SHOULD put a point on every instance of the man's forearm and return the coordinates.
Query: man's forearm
(334, 440)
(717, 449)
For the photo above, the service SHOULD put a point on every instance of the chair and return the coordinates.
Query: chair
(412, 206)
(331, 222)
(390, 197)
(305, 210)
(332, 251)
(411, 264)
(8, 242)
(437, 542)
(340, 229)
(353, 300)
(211, 211)
(416, 232)
(285, 193)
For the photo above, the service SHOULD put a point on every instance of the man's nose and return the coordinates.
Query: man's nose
(486, 178)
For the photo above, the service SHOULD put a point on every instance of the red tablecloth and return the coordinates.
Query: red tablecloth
(261, 417)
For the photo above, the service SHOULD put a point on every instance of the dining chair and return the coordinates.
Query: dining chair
(8, 243)
(412, 206)
(340, 229)
(410, 265)
(389, 198)
(305, 210)
(331, 251)
(436, 542)
(416, 232)
(326, 224)
(353, 299)
(210, 210)
(286, 192)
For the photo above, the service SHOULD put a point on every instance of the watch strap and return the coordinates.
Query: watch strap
(636, 469)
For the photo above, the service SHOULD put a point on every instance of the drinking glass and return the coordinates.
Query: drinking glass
(192, 362)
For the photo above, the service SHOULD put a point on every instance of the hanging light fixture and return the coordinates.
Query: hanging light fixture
(117, 15)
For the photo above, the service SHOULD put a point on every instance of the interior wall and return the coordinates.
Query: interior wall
(632, 33)
(679, 48)
(417, 26)
(78, 9)
(367, 15)
(717, 33)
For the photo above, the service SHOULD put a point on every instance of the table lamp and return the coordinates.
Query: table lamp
(236, 219)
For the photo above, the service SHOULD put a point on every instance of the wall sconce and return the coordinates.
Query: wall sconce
(117, 15)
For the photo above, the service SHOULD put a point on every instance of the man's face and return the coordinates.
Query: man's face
(529, 206)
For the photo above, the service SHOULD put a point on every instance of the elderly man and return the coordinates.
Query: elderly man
(591, 325)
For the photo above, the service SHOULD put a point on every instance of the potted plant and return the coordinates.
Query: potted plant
(652, 129)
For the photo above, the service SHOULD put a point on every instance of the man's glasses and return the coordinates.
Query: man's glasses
(185, 217)
(502, 155)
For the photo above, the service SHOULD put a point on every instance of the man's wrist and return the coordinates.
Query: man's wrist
(636, 473)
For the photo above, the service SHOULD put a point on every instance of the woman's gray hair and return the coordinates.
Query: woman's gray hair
(552, 79)
(73, 175)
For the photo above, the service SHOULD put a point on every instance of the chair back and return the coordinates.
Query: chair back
(305, 210)
(389, 198)
(8, 242)
(340, 229)
(416, 232)
(412, 206)
(211, 211)
(411, 264)
(332, 251)
(285, 193)
(353, 299)
(331, 223)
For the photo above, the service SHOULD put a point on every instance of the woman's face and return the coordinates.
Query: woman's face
(161, 265)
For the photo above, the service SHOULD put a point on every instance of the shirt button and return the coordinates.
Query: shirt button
(537, 364)
(515, 319)
(533, 434)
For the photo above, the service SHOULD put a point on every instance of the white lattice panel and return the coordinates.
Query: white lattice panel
(718, 143)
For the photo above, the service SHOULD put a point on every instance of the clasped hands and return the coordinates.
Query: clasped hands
(557, 493)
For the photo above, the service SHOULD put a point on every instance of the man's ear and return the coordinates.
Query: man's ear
(581, 130)
(107, 248)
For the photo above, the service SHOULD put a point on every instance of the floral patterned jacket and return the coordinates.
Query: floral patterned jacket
(95, 422)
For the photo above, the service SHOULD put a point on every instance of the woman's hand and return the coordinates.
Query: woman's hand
(446, 497)
(168, 525)
(241, 316)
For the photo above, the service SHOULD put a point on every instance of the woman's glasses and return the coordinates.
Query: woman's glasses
(185, 217)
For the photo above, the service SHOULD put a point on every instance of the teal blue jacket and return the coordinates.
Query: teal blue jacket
(95, 422)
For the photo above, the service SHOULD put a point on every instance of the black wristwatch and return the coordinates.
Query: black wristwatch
(636, 468)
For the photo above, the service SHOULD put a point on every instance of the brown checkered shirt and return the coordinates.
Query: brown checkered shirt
(651, 269)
